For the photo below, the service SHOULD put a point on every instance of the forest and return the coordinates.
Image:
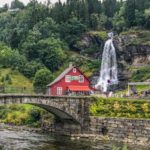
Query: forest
(38, 39)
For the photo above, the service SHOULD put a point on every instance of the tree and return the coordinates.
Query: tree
(30, 68)
(139, 18)
(51, 53)
(130, 13)
(56, 12)
(94, 21)
(5, 55)
(4, 8)
(29, 46)
(47, 28)
(147, 18)
(72, 30)
(17, 4)
(109, 7)
(10, 58)
(36, 12)
(42, 78)
(119, 23)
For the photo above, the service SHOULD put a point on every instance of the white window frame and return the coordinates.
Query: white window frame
(67, 78)
(81, 77)
(59, 90)
(74, 70)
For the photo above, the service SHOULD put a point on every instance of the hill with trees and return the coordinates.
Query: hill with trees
(45, 36)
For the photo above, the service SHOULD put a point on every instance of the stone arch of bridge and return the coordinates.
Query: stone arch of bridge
(62, 115)
(51, 104)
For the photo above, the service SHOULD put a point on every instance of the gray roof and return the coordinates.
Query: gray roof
(61, 75)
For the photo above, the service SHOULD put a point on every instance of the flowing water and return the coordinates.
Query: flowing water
(108, 72)
(24, 140)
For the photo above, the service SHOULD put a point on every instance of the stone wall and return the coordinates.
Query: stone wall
(127, 130)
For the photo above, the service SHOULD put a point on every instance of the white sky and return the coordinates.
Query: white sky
(2, 2)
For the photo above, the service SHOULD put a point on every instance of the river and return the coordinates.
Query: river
(24, 140)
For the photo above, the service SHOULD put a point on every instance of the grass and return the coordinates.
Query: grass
(13, 81)
(142, 37)
(141, 74)
(101, 34)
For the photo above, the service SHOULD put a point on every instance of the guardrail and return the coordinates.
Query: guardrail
(22, 90)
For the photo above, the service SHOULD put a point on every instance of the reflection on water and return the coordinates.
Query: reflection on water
(24, 140)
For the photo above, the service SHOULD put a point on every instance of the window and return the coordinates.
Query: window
(74, 70)
(81, 78)
(59, 90)
(67, 78)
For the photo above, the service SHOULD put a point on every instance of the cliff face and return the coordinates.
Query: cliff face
(132, 50)
(91, 44)
(132, 47)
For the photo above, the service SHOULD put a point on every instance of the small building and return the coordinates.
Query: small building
(14, 10)
(70, 82)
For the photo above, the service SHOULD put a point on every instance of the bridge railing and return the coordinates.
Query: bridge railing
(22, 90)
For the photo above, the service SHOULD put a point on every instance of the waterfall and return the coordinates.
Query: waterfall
(108, 72)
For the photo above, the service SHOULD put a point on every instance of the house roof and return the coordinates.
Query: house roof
(61, 75)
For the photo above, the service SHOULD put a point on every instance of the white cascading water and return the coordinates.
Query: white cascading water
(108, 72)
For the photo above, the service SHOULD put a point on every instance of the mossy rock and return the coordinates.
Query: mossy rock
(101, 34)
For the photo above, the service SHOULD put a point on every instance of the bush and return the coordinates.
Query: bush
(114, 107)
(42, 78)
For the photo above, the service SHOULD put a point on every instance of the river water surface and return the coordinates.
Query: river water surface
(24, 140)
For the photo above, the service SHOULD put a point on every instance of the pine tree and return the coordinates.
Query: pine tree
(130, 13)
(109, 7)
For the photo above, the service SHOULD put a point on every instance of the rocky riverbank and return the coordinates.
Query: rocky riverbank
(24, 128)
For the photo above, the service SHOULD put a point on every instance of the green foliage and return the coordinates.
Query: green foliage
(17, 4)
(51, 53)
(72, 30)
(141, 74)
(35, 116)
(119, 22)
(142, 37)
(24, 115)
(14, 79)
(100, 34)
(130, 12)
(118, 148)
(109, 7)
(39, 35)
(30, 68)
(42, 78)
(147, 17)
(114, 107)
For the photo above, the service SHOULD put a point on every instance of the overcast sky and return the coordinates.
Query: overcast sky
(2, 2)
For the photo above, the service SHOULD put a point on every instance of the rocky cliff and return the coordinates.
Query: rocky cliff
(132, 48)
(133, 51)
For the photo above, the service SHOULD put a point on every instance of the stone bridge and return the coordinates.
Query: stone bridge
(74, 110)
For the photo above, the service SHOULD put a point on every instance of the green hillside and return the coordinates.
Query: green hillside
(14, 81)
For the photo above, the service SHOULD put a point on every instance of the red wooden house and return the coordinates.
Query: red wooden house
(71, 81)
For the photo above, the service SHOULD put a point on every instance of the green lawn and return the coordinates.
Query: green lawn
(140, 73)
(14, 82)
